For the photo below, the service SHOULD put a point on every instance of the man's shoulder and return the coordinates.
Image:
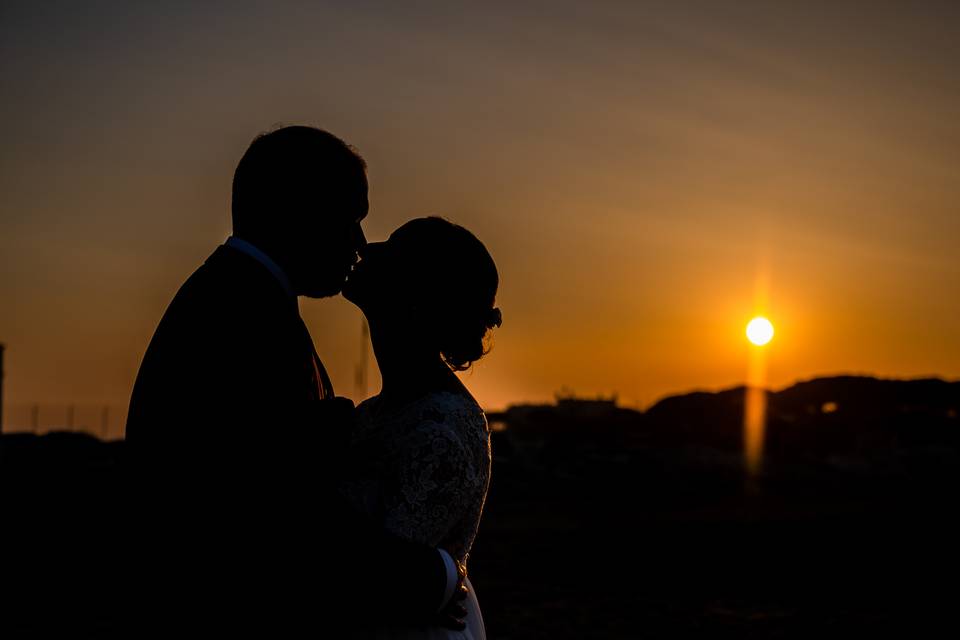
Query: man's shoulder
(224, 301)
(231, 282)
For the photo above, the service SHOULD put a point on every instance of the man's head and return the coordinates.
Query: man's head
(299, 194)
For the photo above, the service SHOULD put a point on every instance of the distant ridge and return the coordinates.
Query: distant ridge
(859, 390)
(846, 416)
(832, 384)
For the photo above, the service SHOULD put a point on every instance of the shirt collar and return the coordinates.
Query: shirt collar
(242, 245)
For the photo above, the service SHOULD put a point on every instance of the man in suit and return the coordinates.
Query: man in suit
(234, 430)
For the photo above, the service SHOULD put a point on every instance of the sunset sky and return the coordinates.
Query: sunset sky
(647, 175)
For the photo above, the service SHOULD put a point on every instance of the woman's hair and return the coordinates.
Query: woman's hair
(460, 283)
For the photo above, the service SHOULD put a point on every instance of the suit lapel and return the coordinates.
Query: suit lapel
(322, 388)
(316, 381)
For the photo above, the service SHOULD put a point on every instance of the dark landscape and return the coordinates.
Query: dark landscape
(604, 522)
(644, 525)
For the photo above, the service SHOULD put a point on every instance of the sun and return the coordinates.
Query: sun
(759, 331)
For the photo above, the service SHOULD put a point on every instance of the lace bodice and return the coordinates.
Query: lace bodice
(422, 471)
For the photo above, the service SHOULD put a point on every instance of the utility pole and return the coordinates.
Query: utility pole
(360, 373)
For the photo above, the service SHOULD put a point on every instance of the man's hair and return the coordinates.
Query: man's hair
(283, 169)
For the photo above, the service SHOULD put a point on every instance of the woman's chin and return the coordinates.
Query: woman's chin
(352, 291)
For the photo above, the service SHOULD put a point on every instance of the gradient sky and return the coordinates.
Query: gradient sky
(635, 168)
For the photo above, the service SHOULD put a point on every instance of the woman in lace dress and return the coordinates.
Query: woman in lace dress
(420, 455)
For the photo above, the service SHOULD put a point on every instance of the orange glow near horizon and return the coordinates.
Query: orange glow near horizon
(629, 188)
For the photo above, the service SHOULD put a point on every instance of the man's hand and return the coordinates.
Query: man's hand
(454, 614)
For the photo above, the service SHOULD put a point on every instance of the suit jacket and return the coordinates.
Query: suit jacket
(233, 435)
(230, 378)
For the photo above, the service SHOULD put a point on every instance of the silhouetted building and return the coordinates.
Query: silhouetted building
(597, 407)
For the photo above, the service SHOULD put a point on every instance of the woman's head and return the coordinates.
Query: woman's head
(434, 284)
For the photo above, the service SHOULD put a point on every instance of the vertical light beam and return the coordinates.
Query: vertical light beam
(755, 412)
(755, 402)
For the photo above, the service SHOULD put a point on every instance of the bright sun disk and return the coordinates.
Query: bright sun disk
(759, 331)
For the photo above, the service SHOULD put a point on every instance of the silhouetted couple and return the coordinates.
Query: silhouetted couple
(266, 502)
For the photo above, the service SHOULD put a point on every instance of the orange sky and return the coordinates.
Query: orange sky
(632, 167)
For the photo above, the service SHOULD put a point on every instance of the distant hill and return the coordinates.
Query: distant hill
(851, 395)
(842, 415)
(815, 419)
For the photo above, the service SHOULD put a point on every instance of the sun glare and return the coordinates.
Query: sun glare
(759, 331)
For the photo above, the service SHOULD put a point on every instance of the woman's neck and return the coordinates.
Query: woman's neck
(407, 371)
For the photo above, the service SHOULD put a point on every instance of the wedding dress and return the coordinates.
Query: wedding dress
(422, 471)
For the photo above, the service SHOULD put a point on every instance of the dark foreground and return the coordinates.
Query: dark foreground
(606, 523)
(608, 558)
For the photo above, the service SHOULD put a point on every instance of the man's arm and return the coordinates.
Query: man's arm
(414, 580)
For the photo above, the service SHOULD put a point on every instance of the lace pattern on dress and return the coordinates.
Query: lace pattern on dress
(423, 471)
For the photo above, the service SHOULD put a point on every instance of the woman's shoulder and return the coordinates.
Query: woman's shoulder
(447, 406)
(434, 402)
(437, 412)
(456, 418)
(445, 413)
(452, 399)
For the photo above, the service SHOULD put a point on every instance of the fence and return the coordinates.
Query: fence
(104, 421)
